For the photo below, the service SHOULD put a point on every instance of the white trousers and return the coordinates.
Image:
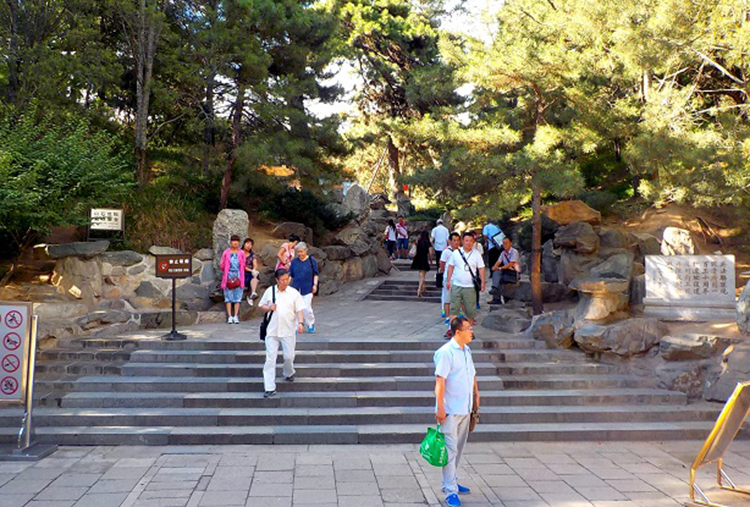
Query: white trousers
(456, 431)
(308, 313)
(272, 353)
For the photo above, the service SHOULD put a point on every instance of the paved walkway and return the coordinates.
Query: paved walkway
(503, 475)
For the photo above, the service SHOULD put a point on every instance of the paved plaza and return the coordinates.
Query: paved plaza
(501, 475)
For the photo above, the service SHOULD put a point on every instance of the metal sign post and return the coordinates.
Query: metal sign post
(19, 331)
(174, 266)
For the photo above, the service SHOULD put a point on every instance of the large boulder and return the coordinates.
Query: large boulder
(551, 292)
(384, 262)
(355, 238)
(102, 318)
(370, 266)
(205, 254)
(228, 222)
(124, 258)
(164, 250)
(78, 277)
(677, 241)
(267, 254)
(553, 328)
(83, 249)
(743, 311)
(600, 297)
(688, 377)
(356, 201)
(647, 244)
(579, 236)
(573, 265)
(332, 271)
(507, 320)
(736, 369)
(286, 229)
(625, 338)
(354, 269)
(378, 201)
(692, 347)
(567, 212)
(338, 252)
(550, 262)
(617, 266)
(403, 204)
(614, 239)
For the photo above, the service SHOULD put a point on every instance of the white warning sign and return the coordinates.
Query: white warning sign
(15, 333)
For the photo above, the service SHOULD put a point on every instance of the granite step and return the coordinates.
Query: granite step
(342, 399)
(354, 415)
(403, 297)
(361, 434)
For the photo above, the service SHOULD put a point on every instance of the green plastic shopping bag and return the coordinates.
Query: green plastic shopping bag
(433, 448)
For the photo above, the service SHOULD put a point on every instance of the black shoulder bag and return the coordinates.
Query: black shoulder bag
(312, 274)
(474, 278)
(267, 317)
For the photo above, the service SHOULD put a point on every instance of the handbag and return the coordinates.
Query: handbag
(267, 317)
(413, 251)
(509, 276)
(433, 448)
(234, 283)
(473, 418)
(474, 279)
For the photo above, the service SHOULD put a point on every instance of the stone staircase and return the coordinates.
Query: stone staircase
(405, 290)
(139, 390)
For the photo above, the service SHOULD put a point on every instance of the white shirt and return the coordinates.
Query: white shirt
(440, 234)
(456, 366)
(284, 319)
(446, 255)
(461, 275)
(390, 233)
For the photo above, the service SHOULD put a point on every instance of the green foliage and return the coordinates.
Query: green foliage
(304, 207)
(600, 200)
(53, 173)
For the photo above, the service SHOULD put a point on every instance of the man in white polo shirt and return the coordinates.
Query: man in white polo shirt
(283, 327)
(439, 237)
(456, 394)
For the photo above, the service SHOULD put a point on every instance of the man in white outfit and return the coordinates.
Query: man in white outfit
(456, 394)
(283, 327)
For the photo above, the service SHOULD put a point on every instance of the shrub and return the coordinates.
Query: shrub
(306, 208)
(600, 200)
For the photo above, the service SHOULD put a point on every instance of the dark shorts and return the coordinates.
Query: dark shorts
(403, 243)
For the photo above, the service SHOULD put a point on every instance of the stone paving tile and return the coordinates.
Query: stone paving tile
(101, 500)
(60, 493)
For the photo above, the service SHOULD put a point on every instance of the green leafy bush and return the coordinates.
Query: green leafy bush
(304, 207)
(53, 172)
(600, 200)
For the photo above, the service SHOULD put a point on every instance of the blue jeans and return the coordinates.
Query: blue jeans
(403, 243)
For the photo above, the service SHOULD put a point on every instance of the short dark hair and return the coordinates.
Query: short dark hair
(470, 233)
(280, 272)
(293, 238)
(248, 240)
(508, 238)
(457, 324)
(454, 235)
(234, 238)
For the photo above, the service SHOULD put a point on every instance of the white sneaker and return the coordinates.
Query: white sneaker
(230, 320)
(254, 295)
(236, 319)
(249, 300)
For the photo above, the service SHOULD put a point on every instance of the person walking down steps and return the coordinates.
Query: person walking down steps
(304, 275)
(287, 305)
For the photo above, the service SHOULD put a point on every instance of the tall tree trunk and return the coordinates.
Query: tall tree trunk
(13, 57)
(394, 170)
(537, 301)
(209, 128)
(146, 40)
(239, 107)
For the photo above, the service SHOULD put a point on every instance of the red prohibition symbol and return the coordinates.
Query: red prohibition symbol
(13, 319)
(12, 341)
(9, 386)
(11, 363)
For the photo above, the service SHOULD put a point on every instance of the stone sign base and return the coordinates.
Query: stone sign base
(676, 310)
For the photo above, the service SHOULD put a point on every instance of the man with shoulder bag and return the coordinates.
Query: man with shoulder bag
(506, 270)
(465, 279)
(281, 330)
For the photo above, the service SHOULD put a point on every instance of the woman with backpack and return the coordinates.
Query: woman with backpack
(305, 275)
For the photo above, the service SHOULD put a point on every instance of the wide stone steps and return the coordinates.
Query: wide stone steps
(354, 415)
(405, 290)
(360, 434)
(342, 399)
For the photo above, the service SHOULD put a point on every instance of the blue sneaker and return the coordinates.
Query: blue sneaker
(463, 490)
(311, 329)
(442, 315)
(478, 306)
(447, 322)
(452, 500)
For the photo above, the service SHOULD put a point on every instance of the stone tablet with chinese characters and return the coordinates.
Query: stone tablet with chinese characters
(695, 286)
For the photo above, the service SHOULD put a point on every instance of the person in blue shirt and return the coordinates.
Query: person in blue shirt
(305, 276)
(493, 242)
(456, 396)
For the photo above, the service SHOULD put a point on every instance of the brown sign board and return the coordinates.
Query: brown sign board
(174, 266)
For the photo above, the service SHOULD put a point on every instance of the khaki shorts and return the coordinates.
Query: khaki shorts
(467, 296)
